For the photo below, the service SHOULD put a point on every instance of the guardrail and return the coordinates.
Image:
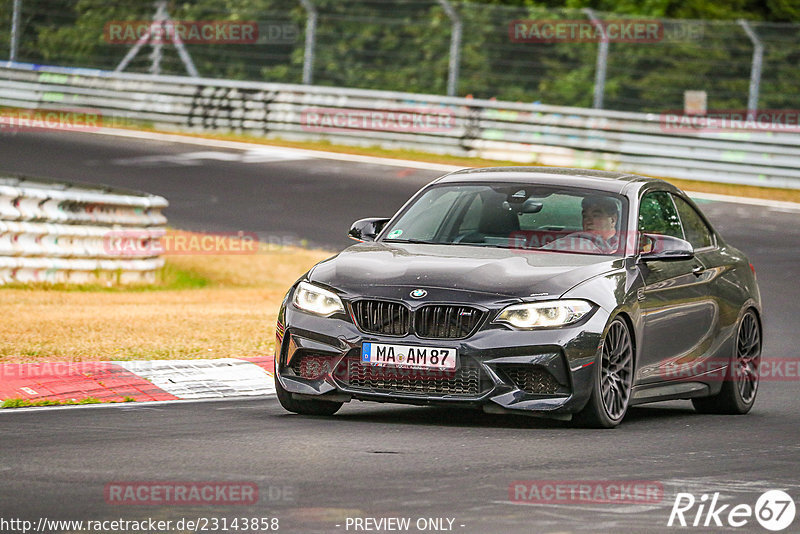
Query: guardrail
(527, 133)
(67, 233)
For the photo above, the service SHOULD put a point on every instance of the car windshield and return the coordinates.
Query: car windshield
(519, 216)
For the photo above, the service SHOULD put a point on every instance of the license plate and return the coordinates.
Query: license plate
(408, 356)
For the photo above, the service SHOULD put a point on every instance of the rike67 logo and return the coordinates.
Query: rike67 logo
(774, 510)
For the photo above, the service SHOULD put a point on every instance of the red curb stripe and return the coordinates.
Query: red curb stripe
(265, 362)
(105, 381)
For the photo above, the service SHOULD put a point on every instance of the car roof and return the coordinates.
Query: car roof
(613, 182)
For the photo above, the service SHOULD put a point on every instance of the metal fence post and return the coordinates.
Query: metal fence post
(311, 37)
(164, 21)
(755, 69)
(12, 55)
(455, 48)
(602, 61)
(157, 54)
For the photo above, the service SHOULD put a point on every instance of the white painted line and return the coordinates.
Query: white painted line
(303, 153)
(611, 508)
(188, 159)
(777, 204)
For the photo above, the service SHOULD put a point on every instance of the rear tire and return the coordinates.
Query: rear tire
(738, 393)
(304, 406)
(613, 377)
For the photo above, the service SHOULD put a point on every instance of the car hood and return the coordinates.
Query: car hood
(381, 269)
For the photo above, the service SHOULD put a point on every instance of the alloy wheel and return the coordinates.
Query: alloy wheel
(748, 357)
(617, 370)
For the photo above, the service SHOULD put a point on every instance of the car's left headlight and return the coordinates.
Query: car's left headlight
(316, 300)
(544, 314)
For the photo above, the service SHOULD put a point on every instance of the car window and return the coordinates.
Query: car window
(427, 216)
(696, 230)
(509, 215)
(657, 215)
(472, 217)
(559, 212)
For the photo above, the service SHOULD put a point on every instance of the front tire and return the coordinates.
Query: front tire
(738, 393)
(613, 377)
(304, 406)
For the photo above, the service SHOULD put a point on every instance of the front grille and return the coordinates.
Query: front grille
(532, 379)
(464, 381)
(446, 322)
(380, 317)
(433, 321)
(312, 366)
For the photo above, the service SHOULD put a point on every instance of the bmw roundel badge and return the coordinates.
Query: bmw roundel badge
(418, 293)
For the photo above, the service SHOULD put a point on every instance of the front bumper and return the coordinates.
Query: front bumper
(540, 372)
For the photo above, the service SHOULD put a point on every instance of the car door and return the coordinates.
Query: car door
(714, 261)
(679, 315)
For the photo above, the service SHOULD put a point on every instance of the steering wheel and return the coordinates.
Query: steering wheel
(594, 239)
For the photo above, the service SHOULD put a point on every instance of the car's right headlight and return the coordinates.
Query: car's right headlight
(545, 314)
(316, 300)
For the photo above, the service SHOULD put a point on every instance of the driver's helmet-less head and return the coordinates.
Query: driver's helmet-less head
(607, 205)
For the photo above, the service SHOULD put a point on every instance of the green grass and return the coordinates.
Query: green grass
(25, 403)
(174, 277)
(169, 278)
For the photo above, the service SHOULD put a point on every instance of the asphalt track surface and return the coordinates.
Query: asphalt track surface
(374, 460)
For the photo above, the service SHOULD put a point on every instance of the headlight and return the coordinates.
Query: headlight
(316, 300)
(544, 314)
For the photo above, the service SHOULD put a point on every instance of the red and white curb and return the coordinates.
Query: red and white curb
(203, 379)
(155, 380)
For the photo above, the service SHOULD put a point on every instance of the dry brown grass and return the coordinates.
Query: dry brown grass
(228, 309)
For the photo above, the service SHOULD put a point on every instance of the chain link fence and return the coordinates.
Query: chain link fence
(427, 46)
(6, 12)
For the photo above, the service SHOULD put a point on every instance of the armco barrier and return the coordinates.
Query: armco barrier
(60, 232)
(527, 133)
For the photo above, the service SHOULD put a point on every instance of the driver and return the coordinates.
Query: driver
(599, 215)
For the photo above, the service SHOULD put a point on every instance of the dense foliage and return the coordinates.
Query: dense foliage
(404, 45)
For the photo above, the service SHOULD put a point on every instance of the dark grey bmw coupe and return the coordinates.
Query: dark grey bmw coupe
(562, 293)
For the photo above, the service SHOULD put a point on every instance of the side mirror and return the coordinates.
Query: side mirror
(367, 229)
(654, 247)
